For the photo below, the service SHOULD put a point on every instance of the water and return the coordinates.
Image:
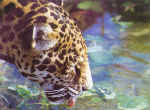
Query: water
(119, 58)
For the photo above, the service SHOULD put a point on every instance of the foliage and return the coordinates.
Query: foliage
(147, 1)
(90, 5)
(32, 95)
(129, 6)
(25, 93)
(117, 20)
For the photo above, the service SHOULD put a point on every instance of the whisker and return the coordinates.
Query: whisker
(57, 95)
(54, 90)
(73, 90)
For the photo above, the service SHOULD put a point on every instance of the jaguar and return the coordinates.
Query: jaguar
(46, 45)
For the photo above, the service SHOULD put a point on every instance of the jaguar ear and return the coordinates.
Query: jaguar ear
(58, 2)
(43, 38)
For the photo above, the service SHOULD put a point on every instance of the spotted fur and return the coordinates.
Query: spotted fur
(46, 45)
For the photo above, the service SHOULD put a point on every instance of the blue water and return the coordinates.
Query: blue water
(102, 55)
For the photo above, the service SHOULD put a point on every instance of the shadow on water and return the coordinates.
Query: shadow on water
(119, 58)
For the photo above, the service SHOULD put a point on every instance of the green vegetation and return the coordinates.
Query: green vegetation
(90, 5)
